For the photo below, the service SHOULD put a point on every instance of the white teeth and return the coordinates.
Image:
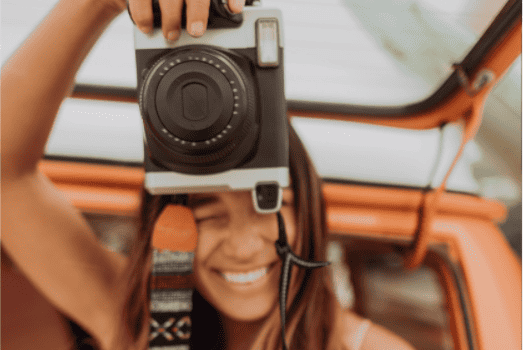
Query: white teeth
(245, 277)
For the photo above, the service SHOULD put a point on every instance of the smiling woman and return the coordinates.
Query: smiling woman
(237, 267)
(52, 248)
(237, 272)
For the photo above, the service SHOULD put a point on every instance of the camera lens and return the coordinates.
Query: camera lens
(195, 102)
(199, 106)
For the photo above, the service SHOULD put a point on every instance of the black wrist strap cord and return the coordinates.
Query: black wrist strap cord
(289, 259)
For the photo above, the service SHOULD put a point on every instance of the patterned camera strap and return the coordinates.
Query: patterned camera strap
(174, 241)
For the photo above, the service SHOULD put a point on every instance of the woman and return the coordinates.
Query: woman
(53, 262)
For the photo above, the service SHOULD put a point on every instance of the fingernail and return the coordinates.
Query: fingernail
(173, 35)
(197, 29)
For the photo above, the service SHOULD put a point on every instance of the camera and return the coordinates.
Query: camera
(214, 108)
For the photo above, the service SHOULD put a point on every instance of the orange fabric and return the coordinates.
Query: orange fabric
(175, 230)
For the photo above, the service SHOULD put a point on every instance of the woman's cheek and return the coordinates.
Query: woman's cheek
(206, 243)
(203, 250)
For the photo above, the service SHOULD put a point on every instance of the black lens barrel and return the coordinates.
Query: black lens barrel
(199, 107)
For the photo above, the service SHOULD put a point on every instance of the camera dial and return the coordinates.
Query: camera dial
(200, 109)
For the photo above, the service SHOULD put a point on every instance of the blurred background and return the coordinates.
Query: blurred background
(346, 53)
(339, 55)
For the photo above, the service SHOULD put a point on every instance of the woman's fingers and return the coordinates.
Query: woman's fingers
(142, 14)
(236, 6)
(197, 16)
(172, 18)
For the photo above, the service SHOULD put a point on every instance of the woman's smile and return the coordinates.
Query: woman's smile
(245, 278)
(249, 278)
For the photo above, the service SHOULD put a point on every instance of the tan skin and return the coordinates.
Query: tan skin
(83, 280)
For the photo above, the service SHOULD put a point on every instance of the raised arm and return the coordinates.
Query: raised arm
(44, 235)
(40, 74)
(38, 77)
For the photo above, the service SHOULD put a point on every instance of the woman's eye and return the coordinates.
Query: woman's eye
(200, 220)
(209, 219)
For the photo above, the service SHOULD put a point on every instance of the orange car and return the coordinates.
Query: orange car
(416, 248)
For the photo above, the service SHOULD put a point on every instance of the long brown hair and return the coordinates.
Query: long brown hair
(311, 301)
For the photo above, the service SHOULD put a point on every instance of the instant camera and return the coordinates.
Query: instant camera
(213, 108)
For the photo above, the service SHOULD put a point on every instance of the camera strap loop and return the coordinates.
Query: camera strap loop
(289, 259)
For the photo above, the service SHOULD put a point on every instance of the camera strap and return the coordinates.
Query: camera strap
(289, 259)
(171, 285)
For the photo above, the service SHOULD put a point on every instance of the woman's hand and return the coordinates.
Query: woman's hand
(197, 15)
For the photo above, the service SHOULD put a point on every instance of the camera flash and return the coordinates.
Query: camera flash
(267, 42)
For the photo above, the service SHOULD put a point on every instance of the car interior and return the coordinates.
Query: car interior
(411, 113)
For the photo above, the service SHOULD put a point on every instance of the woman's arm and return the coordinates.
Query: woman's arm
(51, 244)
(45, 236)
(40, 74)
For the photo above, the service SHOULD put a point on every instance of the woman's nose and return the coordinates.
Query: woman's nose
(249, 235)
(243, 246)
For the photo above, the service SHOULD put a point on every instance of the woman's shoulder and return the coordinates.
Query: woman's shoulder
(359, 333)
(27, 317)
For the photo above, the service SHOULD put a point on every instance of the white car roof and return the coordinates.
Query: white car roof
(112, 131)
(345, 151)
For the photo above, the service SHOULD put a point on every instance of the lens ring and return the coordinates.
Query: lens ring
(242, 120)
(194, 101)
(161, 68)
